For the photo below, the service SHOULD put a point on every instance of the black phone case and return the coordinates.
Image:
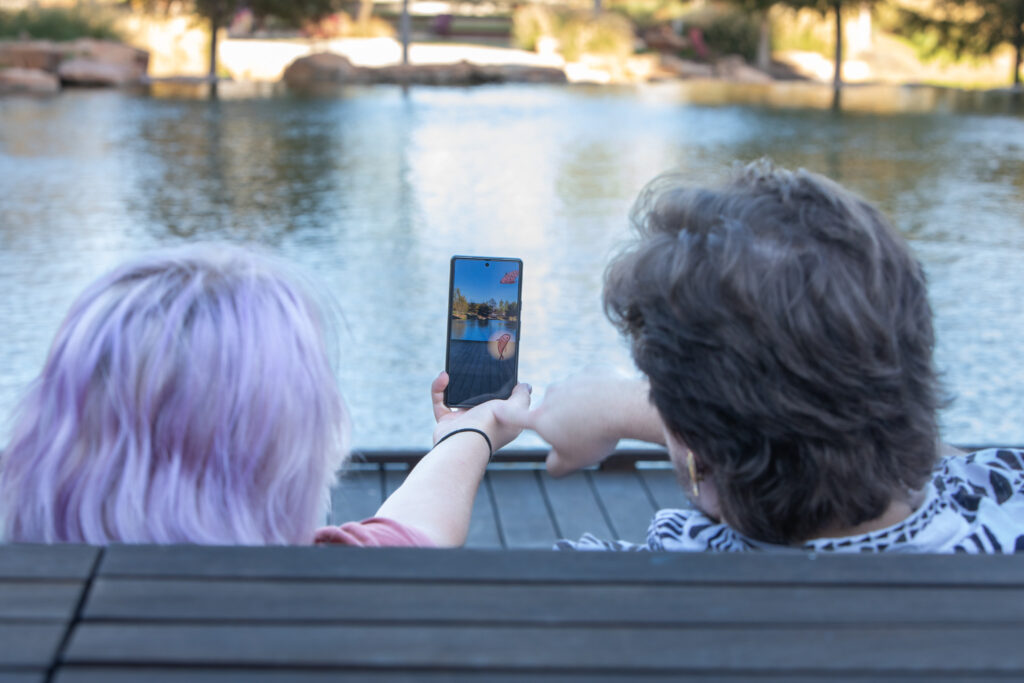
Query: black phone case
(448, 334)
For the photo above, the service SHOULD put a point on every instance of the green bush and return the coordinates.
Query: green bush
(727, 30)
(577, 33)
(647, 13)
(530, 23)
(55, 23)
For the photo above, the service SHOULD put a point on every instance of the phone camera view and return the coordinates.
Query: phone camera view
(482, 346)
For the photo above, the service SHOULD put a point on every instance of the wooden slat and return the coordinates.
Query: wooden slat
(626, 502)
(394, 475)
(358, 494)
(522, 511)
(364, 602)
(483, 527)
(40, 600)
(238, 675)
(621, 458)
(29, 644)
(575, 507)
(331, 562)
(664, 487)
(818, 650)
(46, 561)
(22, 676)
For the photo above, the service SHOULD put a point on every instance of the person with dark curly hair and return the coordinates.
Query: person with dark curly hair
(784, 330)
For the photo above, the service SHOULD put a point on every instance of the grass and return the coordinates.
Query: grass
(57, 24)
(577, 32)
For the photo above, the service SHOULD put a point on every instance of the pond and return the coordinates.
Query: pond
(371, 191)
(480, 330)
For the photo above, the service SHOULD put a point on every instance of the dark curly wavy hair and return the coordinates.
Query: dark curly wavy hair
(786, 331)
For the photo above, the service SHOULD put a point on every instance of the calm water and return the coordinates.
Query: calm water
(372, 192)
(480, 330)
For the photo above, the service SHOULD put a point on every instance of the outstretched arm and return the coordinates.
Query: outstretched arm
(585, 416)
(437, 496)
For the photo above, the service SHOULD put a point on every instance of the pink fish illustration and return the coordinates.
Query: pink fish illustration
(503, 341)
(511, 277)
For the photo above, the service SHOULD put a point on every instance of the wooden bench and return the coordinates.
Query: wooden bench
(499, 612)
(78, 614)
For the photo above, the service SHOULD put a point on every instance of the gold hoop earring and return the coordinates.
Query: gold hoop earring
(691, 466)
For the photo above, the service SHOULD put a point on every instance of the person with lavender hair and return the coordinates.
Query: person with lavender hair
(188, 397)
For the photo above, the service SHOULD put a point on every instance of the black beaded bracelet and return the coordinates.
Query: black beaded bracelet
(490, 448)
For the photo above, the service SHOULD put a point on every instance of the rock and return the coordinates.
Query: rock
(664, 39)
(685, 68)
(331, 69)
(520, 73)
(17, 80)
(39, 55)
(130, 58)
(92, 73)
(323, 68)
(459, 73)
(733, 68)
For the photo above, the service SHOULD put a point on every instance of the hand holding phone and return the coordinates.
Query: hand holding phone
(482, 356)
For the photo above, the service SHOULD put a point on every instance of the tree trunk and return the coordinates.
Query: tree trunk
(597, 7)
(837, 77)
(212, 75)
(764, 42)
(365, 12)
(1018, 42)
(404, 24)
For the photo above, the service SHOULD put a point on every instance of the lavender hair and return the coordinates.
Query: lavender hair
(188, 397)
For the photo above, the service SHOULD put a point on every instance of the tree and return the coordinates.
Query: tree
(974, 27)
(836, 8)
(460, 306)
(760, 9)
(218, 14)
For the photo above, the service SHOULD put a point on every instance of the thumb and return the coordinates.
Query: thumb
(556, 466)
(516, 409)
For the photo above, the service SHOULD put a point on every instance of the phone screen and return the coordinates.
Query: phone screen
(484, 298)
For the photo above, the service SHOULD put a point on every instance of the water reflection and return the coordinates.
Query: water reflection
(371, 191)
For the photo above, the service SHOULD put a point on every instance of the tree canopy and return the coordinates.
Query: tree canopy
(971, 27)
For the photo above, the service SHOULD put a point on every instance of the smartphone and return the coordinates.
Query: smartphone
(482, 355)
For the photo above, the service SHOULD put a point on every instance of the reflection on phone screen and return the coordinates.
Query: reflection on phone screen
(483, 345)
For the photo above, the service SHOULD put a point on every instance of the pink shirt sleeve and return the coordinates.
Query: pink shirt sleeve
(376, 532)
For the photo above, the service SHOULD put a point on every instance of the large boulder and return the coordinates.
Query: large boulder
(663, 39)
(685, 68)
(323, 68)
(459, 73)
(131, 59)
(326, 69)
(41, 55)
(733, 68)
(17, 80)
(521, 73)
(93, 73)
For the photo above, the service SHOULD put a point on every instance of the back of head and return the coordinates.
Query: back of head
(786, 332)
(187, 398)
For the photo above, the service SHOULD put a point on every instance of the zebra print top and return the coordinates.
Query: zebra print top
(974, 504)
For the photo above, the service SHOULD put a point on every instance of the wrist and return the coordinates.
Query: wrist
(639, 419)
(465, 433)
